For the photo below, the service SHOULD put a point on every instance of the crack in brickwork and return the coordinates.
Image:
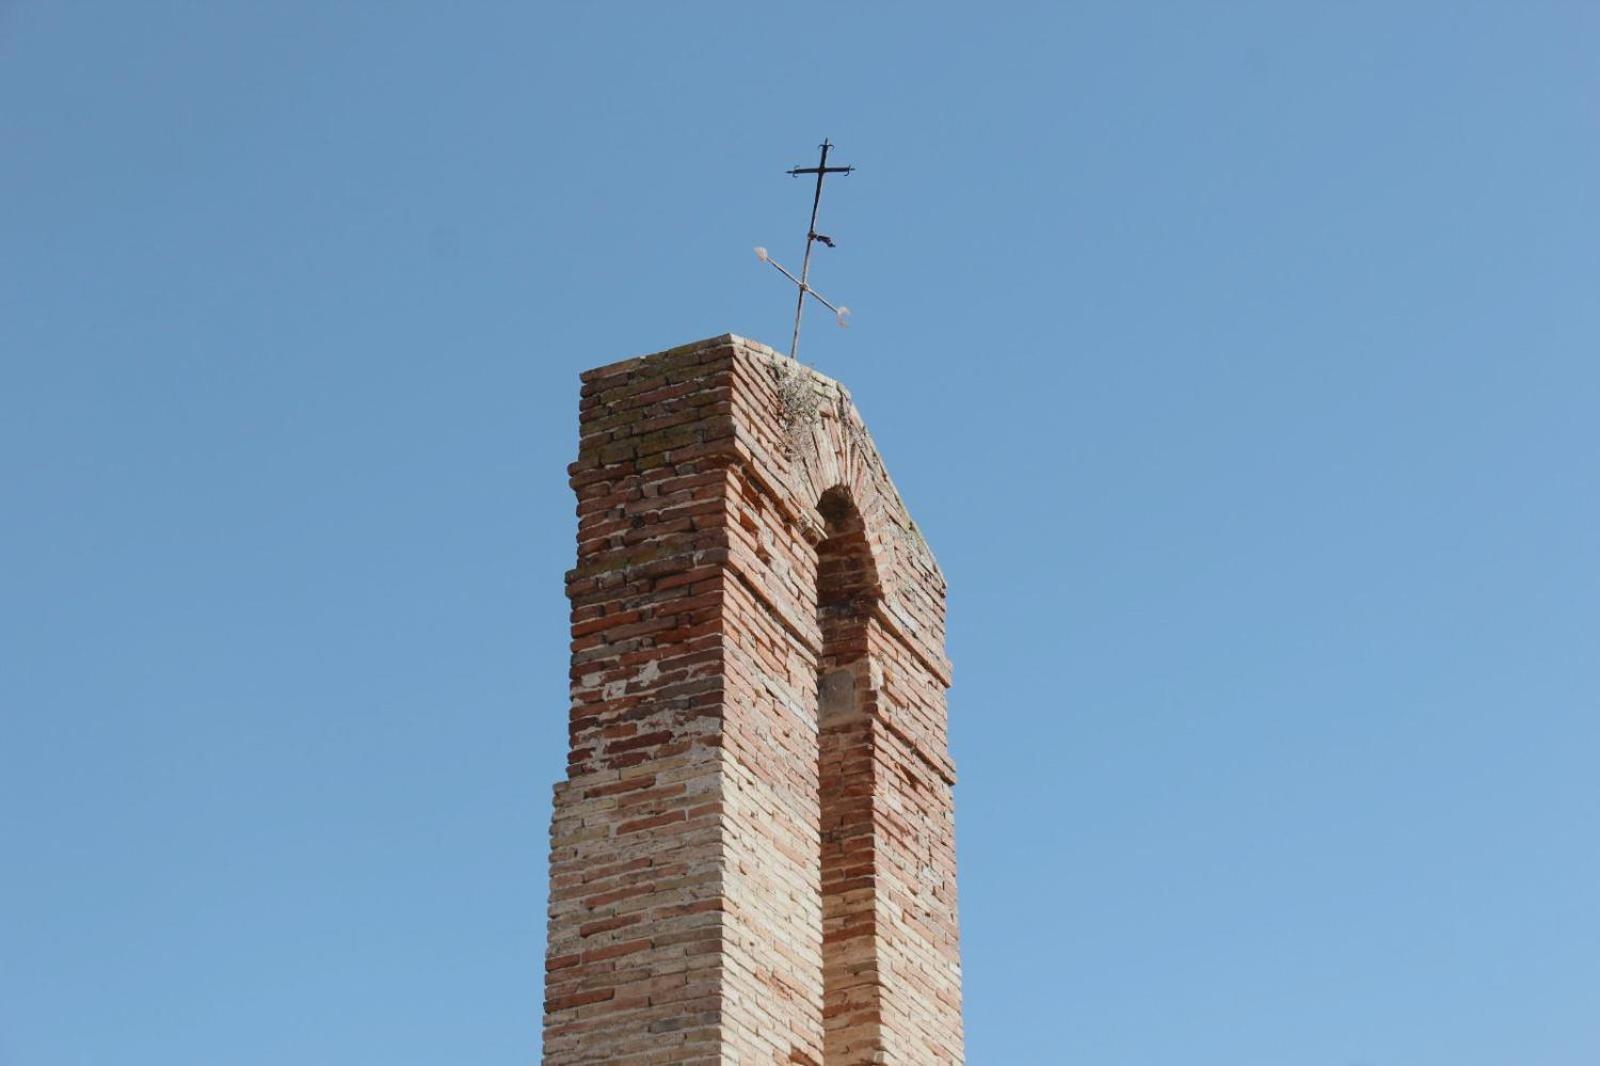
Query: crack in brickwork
(752, 854)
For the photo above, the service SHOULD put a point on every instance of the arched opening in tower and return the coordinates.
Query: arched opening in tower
(847, 589)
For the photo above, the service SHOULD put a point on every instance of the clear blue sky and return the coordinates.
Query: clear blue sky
(1238, 360)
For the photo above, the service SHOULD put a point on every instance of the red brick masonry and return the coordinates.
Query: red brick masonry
(752, 858)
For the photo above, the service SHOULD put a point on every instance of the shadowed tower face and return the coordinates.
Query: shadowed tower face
(752, 854)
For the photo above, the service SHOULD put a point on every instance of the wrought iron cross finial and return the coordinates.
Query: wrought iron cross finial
(842, 314)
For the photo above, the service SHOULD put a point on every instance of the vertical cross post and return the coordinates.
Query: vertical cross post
(821, 170)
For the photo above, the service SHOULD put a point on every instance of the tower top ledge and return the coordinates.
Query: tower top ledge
(827, 444)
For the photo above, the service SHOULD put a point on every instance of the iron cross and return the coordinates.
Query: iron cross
(842, 314)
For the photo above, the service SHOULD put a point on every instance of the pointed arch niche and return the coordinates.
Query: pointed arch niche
(847, 590)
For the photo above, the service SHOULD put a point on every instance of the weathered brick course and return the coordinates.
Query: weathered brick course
(752, 856)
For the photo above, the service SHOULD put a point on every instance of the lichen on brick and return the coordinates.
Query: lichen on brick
(798, 400)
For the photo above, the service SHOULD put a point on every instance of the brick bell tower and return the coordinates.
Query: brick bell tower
(752, 857)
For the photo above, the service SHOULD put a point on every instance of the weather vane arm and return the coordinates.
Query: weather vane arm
(841, 313)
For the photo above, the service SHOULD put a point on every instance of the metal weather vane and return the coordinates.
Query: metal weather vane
(841, 314)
